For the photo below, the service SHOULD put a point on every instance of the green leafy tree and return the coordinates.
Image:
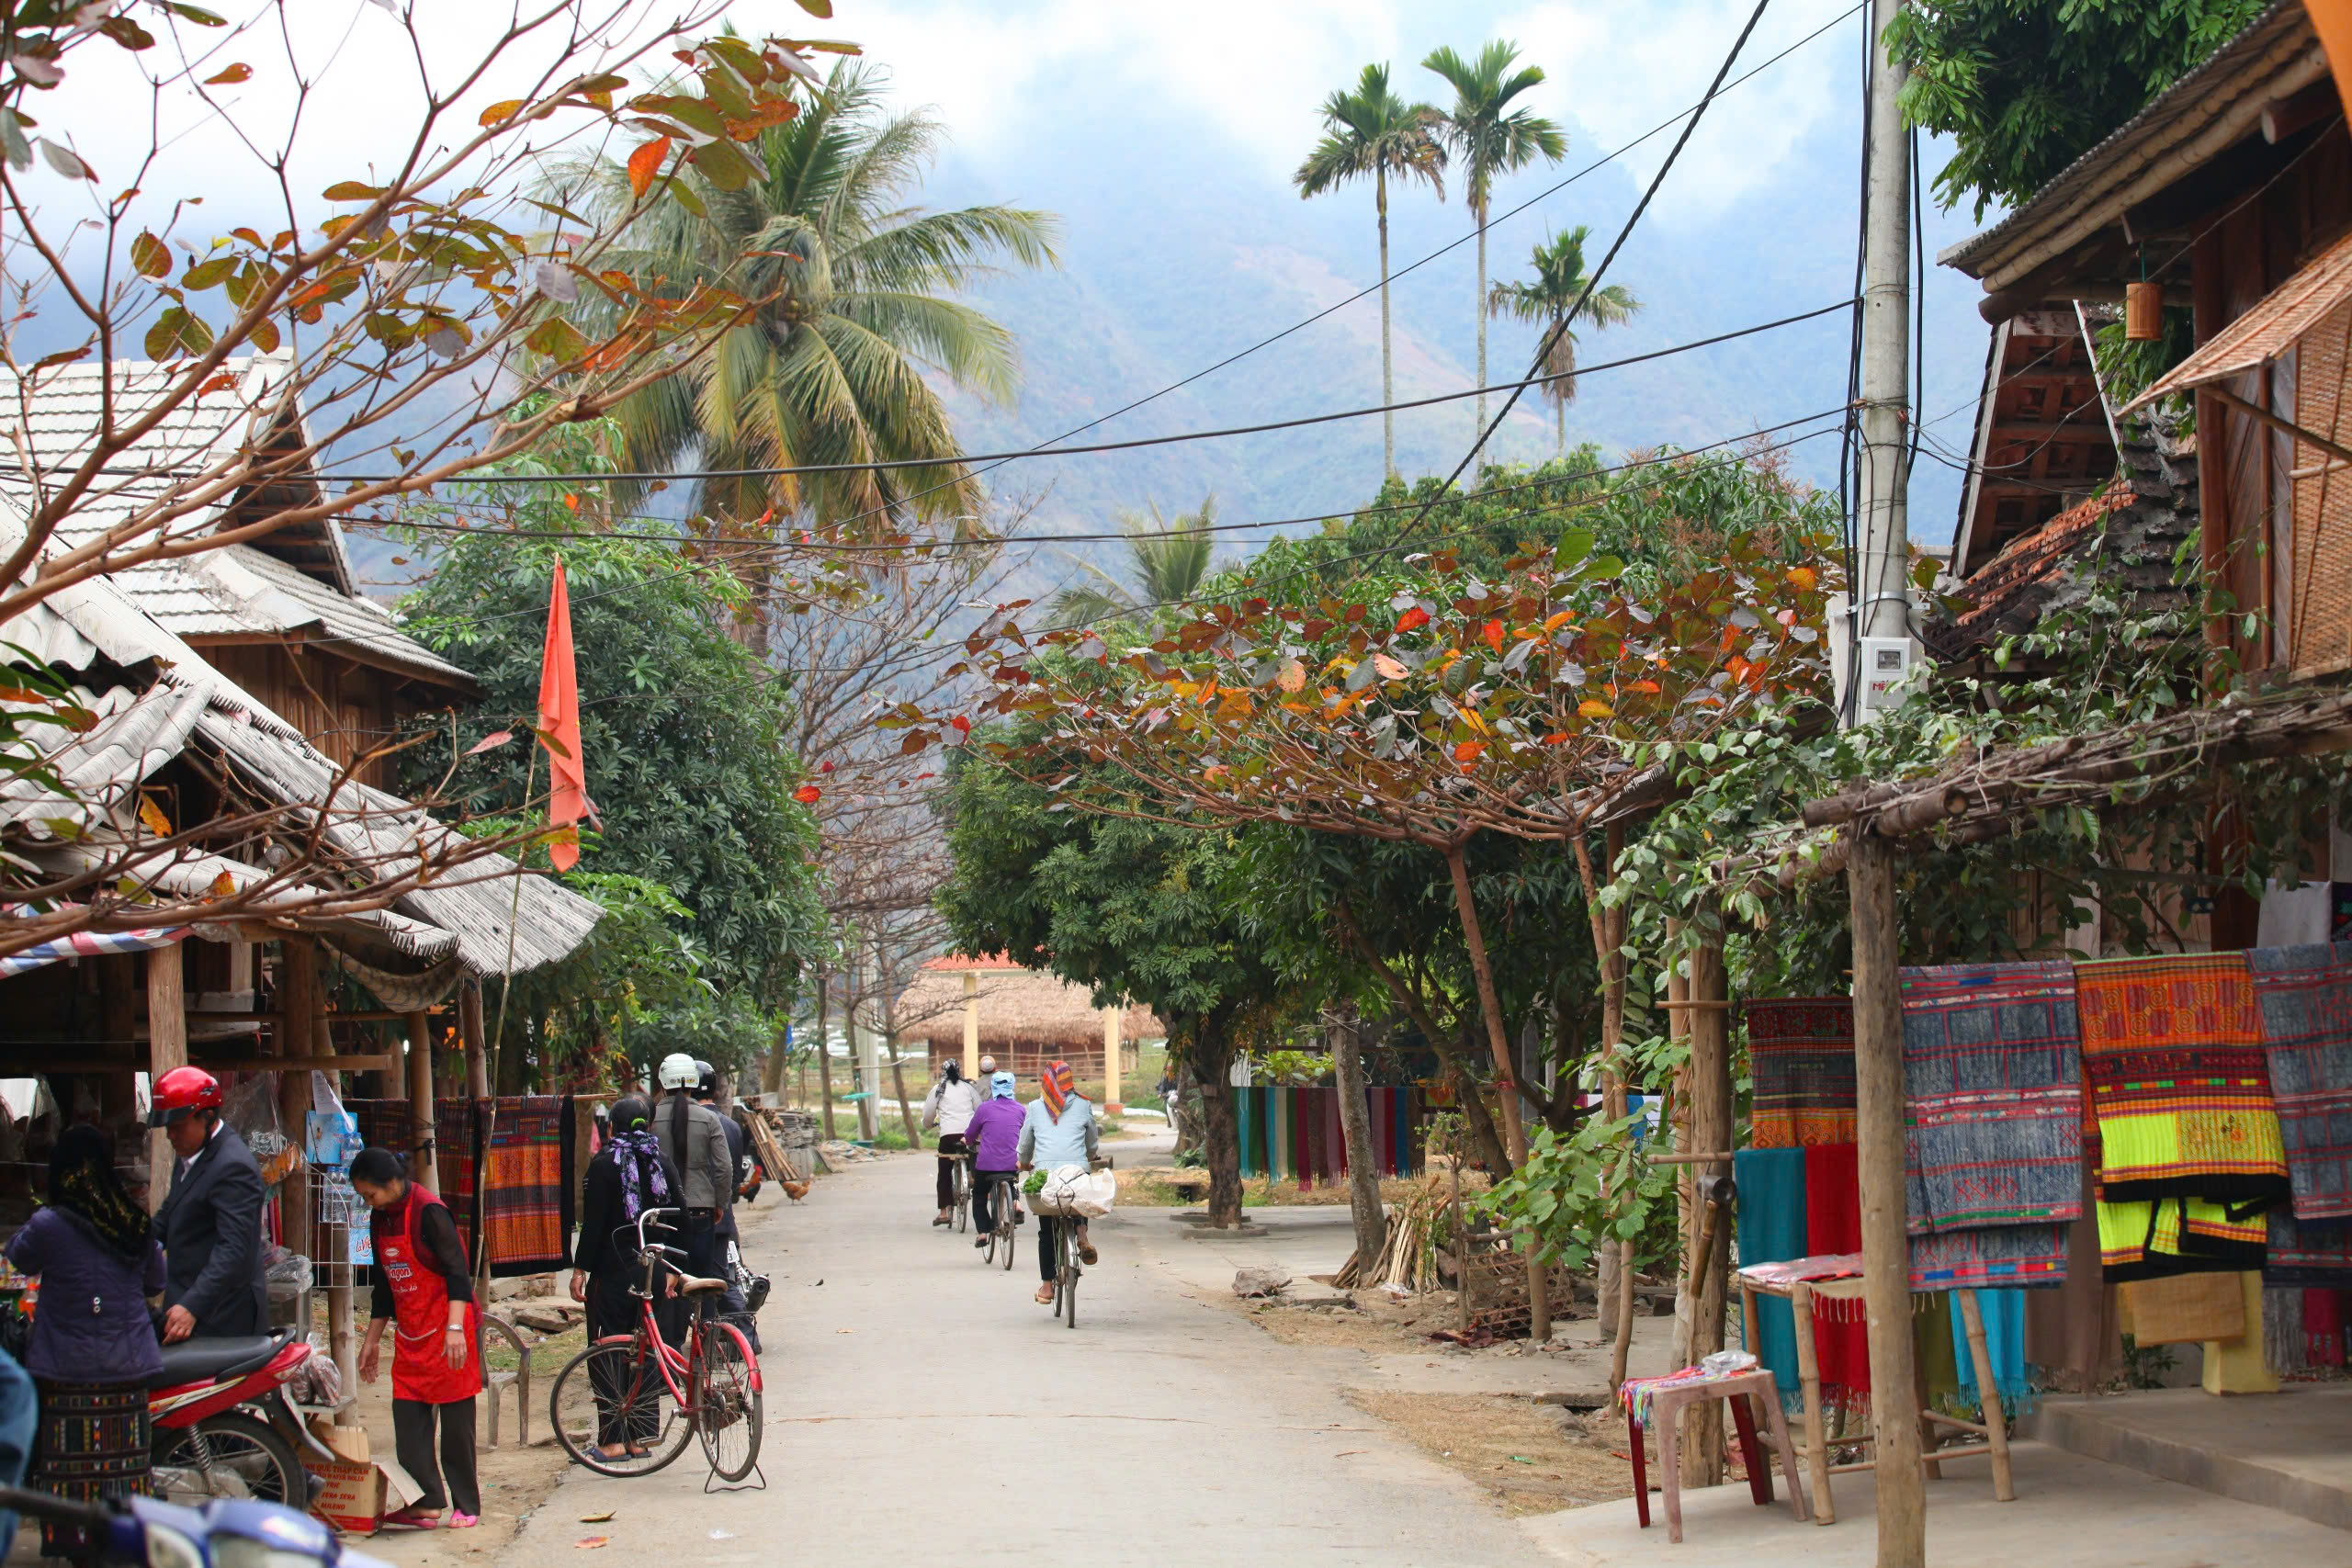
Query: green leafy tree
(1372, 132)
(1546, 301)
(1167, 559)
(859, 312)
(1487, 139)
(2024, 87)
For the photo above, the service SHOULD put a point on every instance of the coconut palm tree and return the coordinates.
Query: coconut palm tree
(1487, 138)
(1372, 131)
(1559, 283)
(1167, 559)
(858, 289)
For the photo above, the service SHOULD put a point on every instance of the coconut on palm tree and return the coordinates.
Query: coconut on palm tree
(1549, 300)
(856, 303)
(1372, 132)
(1167, 559)
(1487, 138)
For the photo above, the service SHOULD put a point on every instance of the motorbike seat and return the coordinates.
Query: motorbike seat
(195, 1360)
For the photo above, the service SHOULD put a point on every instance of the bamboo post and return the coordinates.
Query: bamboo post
(426, 1166)
(824, 1058)
(971, 1026)
(1110, 1106)
(1886, 1270)
(296, 1036)
(476, 1038)
(166, 1049)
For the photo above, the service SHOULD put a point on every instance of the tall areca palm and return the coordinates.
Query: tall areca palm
(859, 289)
(1558, 284)
(1372, 131)
(1488, 137)
(1167, 561)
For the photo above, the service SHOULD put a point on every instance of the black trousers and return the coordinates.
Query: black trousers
(950, 1143)
(1049, 1246)
(412, 1422)
(983, 1198)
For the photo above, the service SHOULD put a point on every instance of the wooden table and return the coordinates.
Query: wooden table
(1992, 1431)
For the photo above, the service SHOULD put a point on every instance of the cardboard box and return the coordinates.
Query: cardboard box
(349, 1443)
(357, 1497)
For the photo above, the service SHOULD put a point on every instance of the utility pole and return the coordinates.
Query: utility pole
(1881, 633)
(863, 1044)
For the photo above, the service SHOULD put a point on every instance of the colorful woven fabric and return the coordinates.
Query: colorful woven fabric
(2004, 1315)
(526, 1189)
(2323, 1328)
(1805, 1270)
(1770, 1228)
(456, 1155)
(2176, 1235)
(2307, 1254)
(93, 1443)
(2174, 1061)
(1991, 1070)
(1801, 1055)
(1833, 1225)
(1636, 1395)
(2305, 994)
(1295, 1133)
(1996, 1257)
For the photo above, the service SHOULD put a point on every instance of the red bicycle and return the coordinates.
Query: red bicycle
(626, 1405)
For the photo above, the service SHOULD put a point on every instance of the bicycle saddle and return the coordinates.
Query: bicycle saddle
(694, 1285)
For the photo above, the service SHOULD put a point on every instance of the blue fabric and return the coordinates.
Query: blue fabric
(1244, 1107)
(1001, 1086)
(1058, 1141)
(19, 1417)
(2003, 1314)
(1770, 1228)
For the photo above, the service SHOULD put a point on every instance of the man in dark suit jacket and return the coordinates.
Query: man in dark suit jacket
(211, 1224)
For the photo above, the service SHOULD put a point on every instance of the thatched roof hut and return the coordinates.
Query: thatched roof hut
(1027, 1018)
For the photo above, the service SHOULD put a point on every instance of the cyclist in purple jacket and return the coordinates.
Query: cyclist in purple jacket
(994, 1138)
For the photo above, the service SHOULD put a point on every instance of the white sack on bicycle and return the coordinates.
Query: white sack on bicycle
(1073, 1189)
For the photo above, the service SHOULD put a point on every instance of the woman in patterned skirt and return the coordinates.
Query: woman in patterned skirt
(92, 1351)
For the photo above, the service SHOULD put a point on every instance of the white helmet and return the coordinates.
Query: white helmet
(678, 1071)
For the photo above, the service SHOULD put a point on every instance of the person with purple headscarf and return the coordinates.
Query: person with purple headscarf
(629, 1175)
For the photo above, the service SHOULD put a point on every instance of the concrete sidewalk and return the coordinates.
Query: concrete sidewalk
(2069, 1510)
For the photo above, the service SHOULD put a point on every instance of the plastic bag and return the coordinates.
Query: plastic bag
(317, 1380)
(1074, 1189)
(252, 1109)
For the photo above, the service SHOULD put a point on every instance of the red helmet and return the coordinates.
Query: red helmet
(181, 1090)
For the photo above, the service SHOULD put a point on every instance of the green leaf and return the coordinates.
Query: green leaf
(820, 9)
(352, 190)
(177, 331)
(198, 15)
(208, 274)
(558, 339)
(725, 165)
(12, 140)
(1575, 545)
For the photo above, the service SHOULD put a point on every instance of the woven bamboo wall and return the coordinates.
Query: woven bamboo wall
(2320, 631)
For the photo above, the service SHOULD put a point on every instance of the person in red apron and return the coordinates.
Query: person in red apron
(425, 1292)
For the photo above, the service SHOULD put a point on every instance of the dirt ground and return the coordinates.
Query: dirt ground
(1530, 1458)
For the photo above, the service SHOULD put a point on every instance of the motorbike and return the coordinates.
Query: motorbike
(224, 1533)
(225, 1427)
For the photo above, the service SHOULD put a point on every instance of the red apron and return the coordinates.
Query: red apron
(421, 1369)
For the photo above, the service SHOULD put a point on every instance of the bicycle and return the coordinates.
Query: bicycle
(960, 1176)
(1004, 1208)
(1066, 1263)
(646, 1394)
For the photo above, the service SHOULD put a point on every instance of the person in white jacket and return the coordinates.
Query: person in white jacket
(949, 1107)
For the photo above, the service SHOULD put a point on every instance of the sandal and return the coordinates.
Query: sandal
(413, 1519)
(463, 1521)
(1044, 1296)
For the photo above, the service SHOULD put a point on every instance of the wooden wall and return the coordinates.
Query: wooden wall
(345, 709)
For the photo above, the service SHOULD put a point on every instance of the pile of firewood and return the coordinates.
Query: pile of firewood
(760, 1124)
(1406, 1257)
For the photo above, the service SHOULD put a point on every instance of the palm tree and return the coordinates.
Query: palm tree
(1167, 561)
(1372, 131)
(859, 288)
(1559, 283)
(1488, 137)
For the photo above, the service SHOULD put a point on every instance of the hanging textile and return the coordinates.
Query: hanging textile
(1801, 1056)
(1992, 1074)
(2284, 1350)
(90, 944)
(2323, 1328)
(1832, 1224)
(527, 1184)
(1770, 1226)
(2004, 1315)
(2177, 1235)
(2073, 1332)
(1246, 1131)
(2172, 1060)
(2305, 995)
(2307, 1254)
(402, 993)
(1997, 1258)
(457, 1152)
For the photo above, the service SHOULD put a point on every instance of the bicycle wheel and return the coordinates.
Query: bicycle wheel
(726, 1402)
(1008, 1239)
(963, 1198)
(612, 1393)
(229, 1455)
(1066, 1276)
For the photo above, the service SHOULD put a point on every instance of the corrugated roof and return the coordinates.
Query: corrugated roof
(103, 766)
(2207, 110)
(2267, 331)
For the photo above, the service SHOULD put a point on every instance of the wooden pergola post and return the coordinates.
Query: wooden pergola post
(1886, 1252)
(296, 1037)
(1708, 1116)
(971, 1025)
(1110, 1106)
(425, 1166)
(476, 1038)
(166, 1049)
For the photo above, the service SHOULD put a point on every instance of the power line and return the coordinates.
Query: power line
(999, 459)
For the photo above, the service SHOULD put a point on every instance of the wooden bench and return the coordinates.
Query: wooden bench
(520, 1378)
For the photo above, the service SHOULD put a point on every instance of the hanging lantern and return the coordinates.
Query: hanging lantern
(2144, 311)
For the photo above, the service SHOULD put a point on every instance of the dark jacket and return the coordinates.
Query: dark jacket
(608, 1240)
(738, 1141)
(93, 1325)
(210, 1227)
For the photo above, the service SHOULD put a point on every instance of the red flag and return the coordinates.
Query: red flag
(559, 728)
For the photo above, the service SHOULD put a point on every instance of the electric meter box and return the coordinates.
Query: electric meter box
(1886, 664)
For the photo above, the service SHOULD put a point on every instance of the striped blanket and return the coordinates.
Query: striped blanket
(528, 1186)
(2305, 994)
(2174, 1061)
(1800, 1054)
(2154, 1238)
(456, 1153)
(1994, 1258)
(1992, 1073)
(1294, 1131)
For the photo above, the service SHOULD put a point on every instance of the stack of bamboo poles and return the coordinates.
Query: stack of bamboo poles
(1406, 1257)
(771, 1151)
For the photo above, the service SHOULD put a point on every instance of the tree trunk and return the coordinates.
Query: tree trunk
(1560, 426)
(1479, 436)
(1539, 1309)
(476, 1038)
(772, 1077)
(1355, 1132)
(1212, 1055)
(1387, 367)
(1608, 943)
(1476, 1120)
(824, 1058)
(898, 1087)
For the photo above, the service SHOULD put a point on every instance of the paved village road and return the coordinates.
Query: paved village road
(922, 1410)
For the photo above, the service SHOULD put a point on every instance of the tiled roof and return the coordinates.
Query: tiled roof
(2029, 562)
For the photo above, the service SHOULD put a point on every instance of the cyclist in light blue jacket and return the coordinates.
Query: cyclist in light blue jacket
(1059, 1130)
